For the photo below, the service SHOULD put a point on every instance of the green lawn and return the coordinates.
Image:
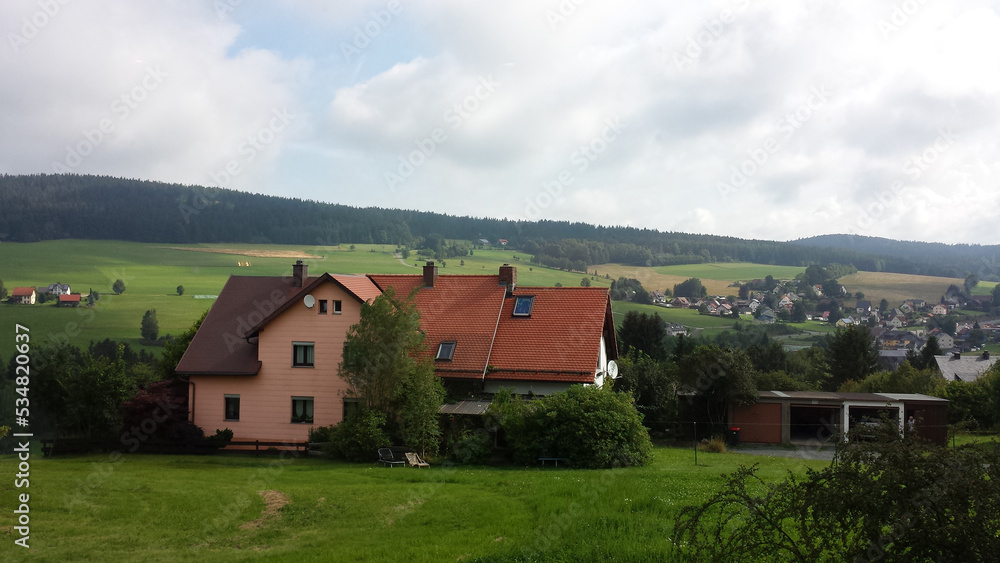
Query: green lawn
(171, 508)
(152, 272)
(731, 271)
(686, 317)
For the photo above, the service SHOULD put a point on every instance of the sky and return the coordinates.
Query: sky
(758, 120)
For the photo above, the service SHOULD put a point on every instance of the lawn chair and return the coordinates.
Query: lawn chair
(386, 459)
(415, 460)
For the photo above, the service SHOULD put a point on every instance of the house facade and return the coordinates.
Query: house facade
(264, 361)
(23, 295)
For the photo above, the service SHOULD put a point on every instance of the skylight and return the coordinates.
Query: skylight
(523, 305)
(445, 351)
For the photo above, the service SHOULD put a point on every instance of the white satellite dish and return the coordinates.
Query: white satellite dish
(612, 369)
(309, 301)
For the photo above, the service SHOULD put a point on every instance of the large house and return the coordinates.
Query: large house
(264, 361)
(23, 295)
(964, 368)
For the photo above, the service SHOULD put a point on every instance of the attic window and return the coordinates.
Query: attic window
(337, 307)
(523, 305)
(446, 350)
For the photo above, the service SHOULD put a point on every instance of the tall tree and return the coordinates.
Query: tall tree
(692, 287)
(384, 367)
(150, 326)
(883, 307)
(643, 332)
(118, 287)
(852, 355)
(711, 377)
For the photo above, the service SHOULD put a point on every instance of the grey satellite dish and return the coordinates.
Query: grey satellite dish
(309, 301)
(613, 369)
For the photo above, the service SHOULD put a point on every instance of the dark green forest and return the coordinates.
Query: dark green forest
(45, 207)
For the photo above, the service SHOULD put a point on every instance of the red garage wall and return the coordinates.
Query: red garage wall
(760, 422)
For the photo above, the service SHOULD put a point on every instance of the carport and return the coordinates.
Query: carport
(799, 417)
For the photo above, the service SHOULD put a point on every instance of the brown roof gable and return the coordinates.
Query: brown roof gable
(222, 345)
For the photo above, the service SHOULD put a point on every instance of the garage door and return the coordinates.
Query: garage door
(759, 423)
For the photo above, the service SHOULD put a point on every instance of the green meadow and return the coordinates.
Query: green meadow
(152, 272)
(230, 508)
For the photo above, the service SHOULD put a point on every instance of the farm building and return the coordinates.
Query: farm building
(800, 417)
(264, 361)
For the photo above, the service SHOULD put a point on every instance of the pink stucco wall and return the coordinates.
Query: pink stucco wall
(266, 398)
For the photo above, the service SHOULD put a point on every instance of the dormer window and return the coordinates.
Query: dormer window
(523, 305)
(446, 350)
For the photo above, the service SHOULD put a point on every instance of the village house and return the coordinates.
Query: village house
(956, 367)
(940, 309)
(264, 361)
(863, 307)
(70, 300)
(23, 295)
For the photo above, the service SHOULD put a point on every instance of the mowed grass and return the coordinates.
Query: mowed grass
(176, 508)
(152, 272)
(686, 317)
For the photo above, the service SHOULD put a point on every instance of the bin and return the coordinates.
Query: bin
(734, 436)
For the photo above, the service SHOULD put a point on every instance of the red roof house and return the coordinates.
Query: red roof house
(23, 295)
(70, 300)
(264, 361)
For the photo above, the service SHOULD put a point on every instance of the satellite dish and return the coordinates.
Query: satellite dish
(612, 369)
(309, 301)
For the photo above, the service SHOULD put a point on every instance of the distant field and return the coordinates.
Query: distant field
(686, 317)
(152, 272)
(898, 287)
(717, 278)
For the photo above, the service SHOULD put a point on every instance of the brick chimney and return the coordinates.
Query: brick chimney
(430, 274)
(508, 277)
(299, 273)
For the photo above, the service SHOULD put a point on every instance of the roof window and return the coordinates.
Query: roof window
(523, 305)
(446, 350)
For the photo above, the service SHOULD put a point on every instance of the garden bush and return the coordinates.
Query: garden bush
(589, 426)
(359, 436)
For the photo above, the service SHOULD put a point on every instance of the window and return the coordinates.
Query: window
(232, 407)
(445, 351)
(322, 306)
(523, 304)
(302, 354)
(336, 307)
(302, 410)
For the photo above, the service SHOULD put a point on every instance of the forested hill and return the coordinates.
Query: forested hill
(982, 260)
(44, 207)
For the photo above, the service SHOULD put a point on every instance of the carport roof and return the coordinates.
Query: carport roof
(840, 397)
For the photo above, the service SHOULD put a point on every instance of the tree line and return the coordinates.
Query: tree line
(54, 206)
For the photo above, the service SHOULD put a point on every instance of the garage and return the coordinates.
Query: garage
(798, 417)
(813, 422)
(759, 422)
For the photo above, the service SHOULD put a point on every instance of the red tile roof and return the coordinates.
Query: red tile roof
(462, 309)
(22, 291)
(559, 341)
(70, 298)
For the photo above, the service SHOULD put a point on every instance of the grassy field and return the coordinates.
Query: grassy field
(152, 272)
(896, 288)
(177, 508)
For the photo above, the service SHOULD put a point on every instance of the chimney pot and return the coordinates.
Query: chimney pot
(508, 276)
(299, 273)
(430, 274)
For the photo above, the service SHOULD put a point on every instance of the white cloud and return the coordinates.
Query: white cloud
(703, 88)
